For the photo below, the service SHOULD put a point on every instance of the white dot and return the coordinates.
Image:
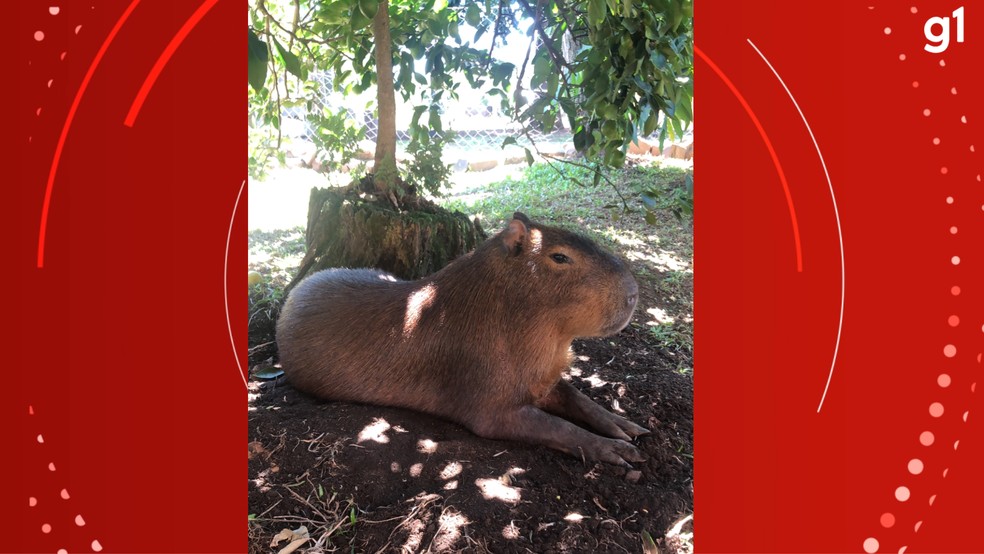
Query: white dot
(953, 90)
(915, 84)
(926, 112)
(79, 521)
(944, 170)
(77, 29)
(53, 10)
(46, 528)
(871, 545)
(51, 466)
(926, 438)
(51, 82)
(942, 63)
(913, 9)
(96, 547)
(64, 494)
(902, 57)
(972, 148)
(936, 409)
(39, 35)
(902, 494)
(955, 260)
(62, 551)
(963, 119)
(956, 444)
(949, 200)
(936, 140)
(40, 439)
(888, 30)
(32, 502)
(953, 230)
(943, 380)
(915, 466)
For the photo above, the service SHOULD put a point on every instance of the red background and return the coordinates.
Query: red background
(119, 345)
(772, 474)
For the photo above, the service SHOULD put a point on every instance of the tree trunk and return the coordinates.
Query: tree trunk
(346, 231)
(384, 169)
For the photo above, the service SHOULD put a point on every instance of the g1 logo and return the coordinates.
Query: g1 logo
(939, 42)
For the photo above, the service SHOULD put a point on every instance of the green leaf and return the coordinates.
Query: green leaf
(529, 156)
(508, 141)
(271, 372)
(417, 112)
(626, 8)
(501, 72)
(259, 55)
(648, 544)
(597, 9)
(434, 120)
(552, 83)
(359, 20)
(650, 123)
(369, 8)
(473, 15)
(291, 62)
(650, 217)
(580, 140)
(648, 201)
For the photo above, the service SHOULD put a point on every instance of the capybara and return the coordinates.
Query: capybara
(482, 342)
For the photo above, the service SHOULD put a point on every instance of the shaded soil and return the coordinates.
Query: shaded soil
(366, 479)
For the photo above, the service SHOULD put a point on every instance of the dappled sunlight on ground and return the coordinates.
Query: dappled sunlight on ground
(426, 446)
(375, 431)
(497, 489)
(448, 531)
(645, 248)
(659, 316)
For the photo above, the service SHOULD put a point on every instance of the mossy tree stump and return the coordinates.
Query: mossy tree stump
(344, 230)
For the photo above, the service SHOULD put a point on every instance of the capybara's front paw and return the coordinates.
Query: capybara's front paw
(612, 451)
(631, 429)
(616, 427)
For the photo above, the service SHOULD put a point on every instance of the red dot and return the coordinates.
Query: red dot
(953, 321)
(887, 520)
(955, 290)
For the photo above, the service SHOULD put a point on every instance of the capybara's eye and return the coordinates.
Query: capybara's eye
(560, 258)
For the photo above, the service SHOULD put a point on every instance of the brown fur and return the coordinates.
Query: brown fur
(482, 342)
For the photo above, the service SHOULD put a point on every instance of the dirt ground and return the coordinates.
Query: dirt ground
(382, 479)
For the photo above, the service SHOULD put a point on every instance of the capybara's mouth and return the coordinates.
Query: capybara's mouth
(622, 318)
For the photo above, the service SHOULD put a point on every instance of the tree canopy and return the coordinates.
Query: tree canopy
(613, 70)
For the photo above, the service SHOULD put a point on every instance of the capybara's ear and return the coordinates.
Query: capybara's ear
(522, 217)
(514, 235)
